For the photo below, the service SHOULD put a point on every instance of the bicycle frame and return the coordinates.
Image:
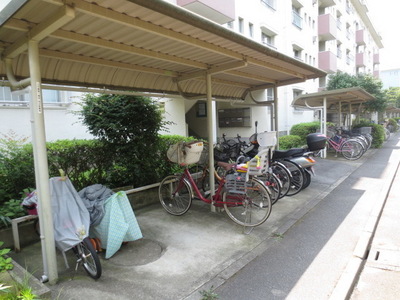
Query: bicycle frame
(336, 145)
(216, 199)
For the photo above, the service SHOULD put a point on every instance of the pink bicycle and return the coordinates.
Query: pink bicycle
(350, 148)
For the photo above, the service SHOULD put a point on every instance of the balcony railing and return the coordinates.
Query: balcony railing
(297, 19)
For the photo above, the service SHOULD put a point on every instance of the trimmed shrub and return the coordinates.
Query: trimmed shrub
(290, 141)
(303, 129)
(393, 125)
(378, 133)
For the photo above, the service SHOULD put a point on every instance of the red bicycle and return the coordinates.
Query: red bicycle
(245, 199)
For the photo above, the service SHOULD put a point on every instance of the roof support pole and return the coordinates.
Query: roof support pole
(211, 136)
(275, 116)
(340, 113)
(41, 164)
(323, 123)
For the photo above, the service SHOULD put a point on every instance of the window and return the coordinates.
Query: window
(339, 51)
(230, 24)
(49, 96)
(6, 96)
(241, 25)
(297, 93)
(251, 30)
(268, 39)
(297, 52)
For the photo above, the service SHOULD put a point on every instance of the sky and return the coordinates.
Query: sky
(384, 16)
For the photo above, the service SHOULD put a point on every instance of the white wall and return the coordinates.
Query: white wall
(60, 123)
(175, 112)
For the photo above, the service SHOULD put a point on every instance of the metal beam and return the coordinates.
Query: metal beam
(213, 70)
(104, 62)
(40, 31)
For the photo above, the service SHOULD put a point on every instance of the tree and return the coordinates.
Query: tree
(369, 83)
(129, 125)
(393, 96)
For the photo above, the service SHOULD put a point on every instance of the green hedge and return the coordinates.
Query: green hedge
(290, 141)
(303, 129)
(85, 162)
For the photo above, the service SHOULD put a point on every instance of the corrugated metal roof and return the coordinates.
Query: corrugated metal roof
(353, 95)
(142, 45)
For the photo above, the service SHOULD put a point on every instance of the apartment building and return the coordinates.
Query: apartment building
(333, 35)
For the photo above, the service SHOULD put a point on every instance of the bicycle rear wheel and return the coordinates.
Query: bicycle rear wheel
(352, 149)
(274, 185)
(297, 182)
(175, 195)
(283, 175)
(250, 209)
(87, 255)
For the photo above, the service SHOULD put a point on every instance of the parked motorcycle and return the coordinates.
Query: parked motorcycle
(302, 157)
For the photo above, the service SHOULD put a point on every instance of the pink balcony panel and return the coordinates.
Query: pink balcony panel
(376, 58)
(221, 11)
(360, 37)
(326, 27)
(360, 60)
(327, 61)
(376, 73)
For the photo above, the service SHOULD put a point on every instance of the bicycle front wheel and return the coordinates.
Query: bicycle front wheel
(87, 255)
(250, 209)
(352, 150)
(175, 196)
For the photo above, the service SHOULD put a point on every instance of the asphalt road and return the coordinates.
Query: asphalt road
(307, 261)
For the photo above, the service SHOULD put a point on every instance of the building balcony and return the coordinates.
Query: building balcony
(376, 58)
(327, 61)
(221, 11)
(360, 37)
(360, 60)
(326, 3)
(327, 28)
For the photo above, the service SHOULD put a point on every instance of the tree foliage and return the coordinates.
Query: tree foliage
(129, 125)
(393, 96)
(368, 82)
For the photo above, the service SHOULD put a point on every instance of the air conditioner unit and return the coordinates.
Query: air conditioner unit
(314, 39)
(314, 2)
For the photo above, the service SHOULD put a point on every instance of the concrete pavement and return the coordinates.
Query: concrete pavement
(180, 257)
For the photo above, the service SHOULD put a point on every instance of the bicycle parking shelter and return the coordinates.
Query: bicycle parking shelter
(333, 101)
(122, 46)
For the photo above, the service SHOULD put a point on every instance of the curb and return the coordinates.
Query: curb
(22, 276)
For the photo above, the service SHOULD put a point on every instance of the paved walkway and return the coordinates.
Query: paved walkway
(181, 256)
